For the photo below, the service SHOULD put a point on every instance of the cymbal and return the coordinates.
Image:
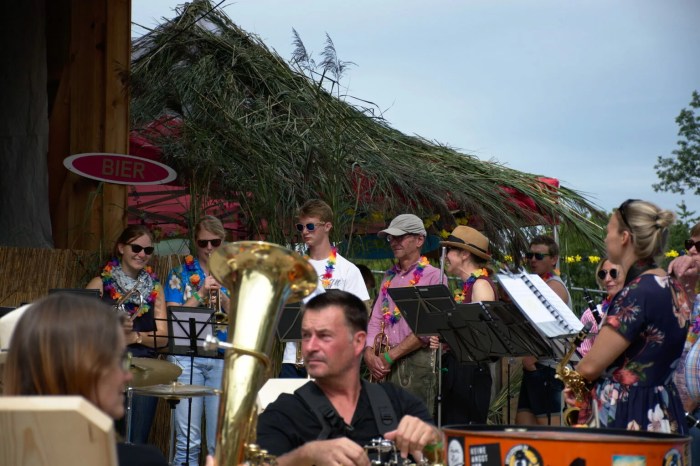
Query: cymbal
(176, 391)
(150, 371)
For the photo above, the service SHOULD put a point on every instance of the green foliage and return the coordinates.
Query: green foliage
(681, 171)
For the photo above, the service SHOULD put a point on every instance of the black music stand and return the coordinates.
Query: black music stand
(423, 307)
(289, 325)
(87, 292)
(188, 328)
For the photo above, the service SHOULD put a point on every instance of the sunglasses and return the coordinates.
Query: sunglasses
(400, 238)
(215, 243)
(689, 243)
(137, 248)
(602, 273)
(537, 255)
(309, 226)
(622, 209)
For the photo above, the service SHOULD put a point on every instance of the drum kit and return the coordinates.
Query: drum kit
(155, 377)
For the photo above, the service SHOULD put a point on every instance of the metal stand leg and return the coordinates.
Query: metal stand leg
(171, 448)
(129, 400)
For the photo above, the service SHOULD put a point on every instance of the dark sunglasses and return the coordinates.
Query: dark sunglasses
(602, 274)
(537, 255)
(689, 243)
(399, 238)
(136, 248)
(309, 226)
(215, 243)
(622, 209)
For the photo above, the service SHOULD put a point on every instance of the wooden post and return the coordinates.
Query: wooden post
(90, 55)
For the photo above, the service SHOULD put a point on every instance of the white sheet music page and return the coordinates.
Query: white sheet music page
(555, 322)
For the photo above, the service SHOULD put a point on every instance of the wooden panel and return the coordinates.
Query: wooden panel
(55, 431)
(91, 114)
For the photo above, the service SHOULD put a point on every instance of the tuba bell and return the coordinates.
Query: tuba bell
(261, 278)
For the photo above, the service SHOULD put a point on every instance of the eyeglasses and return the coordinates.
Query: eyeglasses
(215, 243)
(125, 361)
(137, 248)
(399, 238)
(537, 255)
(622, 209)
(309, 226)
(689, 243)
(602, 273)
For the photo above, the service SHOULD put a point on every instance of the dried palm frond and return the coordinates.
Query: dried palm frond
(260, 132)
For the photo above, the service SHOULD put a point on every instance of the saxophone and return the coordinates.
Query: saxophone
(261, 278)
(580, 387)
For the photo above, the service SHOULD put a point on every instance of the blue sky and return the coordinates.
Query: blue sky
(586, 92)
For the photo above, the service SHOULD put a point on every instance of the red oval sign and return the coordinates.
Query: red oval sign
(119, 168)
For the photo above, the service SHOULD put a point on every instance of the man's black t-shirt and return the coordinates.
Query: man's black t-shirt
(288, 423)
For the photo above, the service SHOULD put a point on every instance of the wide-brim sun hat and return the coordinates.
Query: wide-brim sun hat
(469, 239)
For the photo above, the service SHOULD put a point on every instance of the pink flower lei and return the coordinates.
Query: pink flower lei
(110, 286)
(389, 317)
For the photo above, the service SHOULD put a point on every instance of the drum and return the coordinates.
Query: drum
(565, 446)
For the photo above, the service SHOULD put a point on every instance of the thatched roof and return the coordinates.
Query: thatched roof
(270, 135)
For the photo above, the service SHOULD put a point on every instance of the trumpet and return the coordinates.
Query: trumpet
(381, 345)
(220, 317)
(120, 307)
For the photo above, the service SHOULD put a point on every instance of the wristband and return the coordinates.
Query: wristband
(388, 358)
(197, 297)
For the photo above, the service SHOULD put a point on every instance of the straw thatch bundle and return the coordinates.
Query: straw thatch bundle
(251, 128)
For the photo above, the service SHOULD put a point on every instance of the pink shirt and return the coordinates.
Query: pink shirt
(400, 330)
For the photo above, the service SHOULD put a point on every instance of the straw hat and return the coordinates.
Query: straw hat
(470, 240)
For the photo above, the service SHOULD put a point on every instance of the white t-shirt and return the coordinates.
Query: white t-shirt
(346, 277)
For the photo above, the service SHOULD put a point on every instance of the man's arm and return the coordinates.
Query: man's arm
(559, 289)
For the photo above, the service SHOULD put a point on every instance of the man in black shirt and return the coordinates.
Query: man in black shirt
(333, 330)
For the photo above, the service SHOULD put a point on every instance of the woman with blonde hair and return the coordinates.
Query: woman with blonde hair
(630, 366)
(73, 345)
(610, 278)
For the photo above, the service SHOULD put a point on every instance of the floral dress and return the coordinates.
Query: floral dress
(637, 391)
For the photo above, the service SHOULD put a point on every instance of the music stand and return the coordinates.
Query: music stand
(87, 292)
(188, 327)
(289, 325)
(423, 307)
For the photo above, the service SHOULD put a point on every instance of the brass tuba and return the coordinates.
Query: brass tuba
(261, 278)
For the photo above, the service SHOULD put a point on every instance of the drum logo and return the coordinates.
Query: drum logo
(673, 458)
(523, 455)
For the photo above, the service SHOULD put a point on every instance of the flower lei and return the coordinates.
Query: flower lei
(192, 270)
(110, 286)
(389, 317)
(468, 284)
(547, 276)
(330, 266)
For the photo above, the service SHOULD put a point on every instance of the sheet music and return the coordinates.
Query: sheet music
(540, 304)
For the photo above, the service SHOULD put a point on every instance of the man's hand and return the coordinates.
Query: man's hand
(684, 267)
(377, 365)
(339, 451)
(412, 435)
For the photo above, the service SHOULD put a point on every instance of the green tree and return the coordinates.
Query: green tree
(681, 170)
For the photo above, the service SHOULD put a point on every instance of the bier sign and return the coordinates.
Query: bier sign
(119, 168)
